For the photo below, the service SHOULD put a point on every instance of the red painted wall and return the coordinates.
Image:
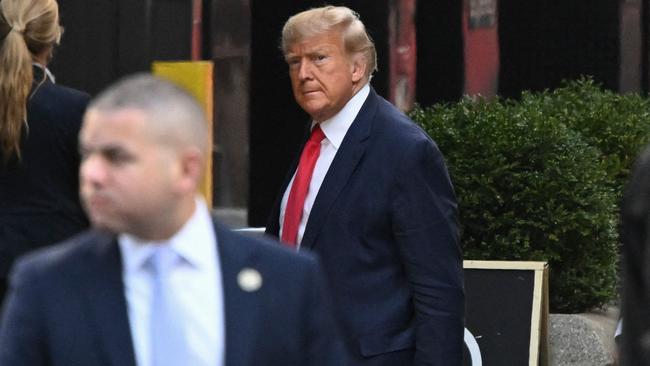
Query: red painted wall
(481, 50)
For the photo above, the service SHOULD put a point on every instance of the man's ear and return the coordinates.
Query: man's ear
(358, 68)
(191, 170)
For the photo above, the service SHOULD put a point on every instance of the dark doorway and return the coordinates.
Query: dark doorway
(440, 56)
(106, 39)
(543, 42)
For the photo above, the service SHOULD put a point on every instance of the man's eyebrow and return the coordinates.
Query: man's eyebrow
(108, 148)
(321, 48)
(316, 49)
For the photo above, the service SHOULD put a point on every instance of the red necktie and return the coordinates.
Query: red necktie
(300, 187)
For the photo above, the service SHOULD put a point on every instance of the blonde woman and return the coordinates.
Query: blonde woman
(39, 123)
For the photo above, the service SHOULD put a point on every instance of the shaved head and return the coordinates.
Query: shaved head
(173, 114)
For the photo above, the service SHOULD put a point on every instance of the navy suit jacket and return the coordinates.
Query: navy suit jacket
(39, 194)
(635, 230)
(384, 224)
(66, 307)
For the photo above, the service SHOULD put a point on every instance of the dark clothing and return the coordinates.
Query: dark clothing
(39, 198)
(66, 307)
(635, 221)
(384, 224)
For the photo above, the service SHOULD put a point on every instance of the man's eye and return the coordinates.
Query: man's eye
(320, 57)
(116, 157)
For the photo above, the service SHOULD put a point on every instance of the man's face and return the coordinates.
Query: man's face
(323, 77)
(127, 178)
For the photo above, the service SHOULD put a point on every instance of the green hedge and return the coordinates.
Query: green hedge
(539, 179)
(618, 125)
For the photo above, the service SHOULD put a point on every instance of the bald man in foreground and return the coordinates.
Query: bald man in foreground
(158, 281)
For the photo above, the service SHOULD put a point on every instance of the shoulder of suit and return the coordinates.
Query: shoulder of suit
(267, 248)
(62, 96)
(59, 104)
(73, 93)
(644, 158)
(66, 255)
(398, 127)
(390, 117)
(74, 96)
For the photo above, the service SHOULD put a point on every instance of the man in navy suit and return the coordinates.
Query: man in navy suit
(373, 199)
(157, 281)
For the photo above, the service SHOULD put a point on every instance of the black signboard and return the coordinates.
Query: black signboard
(506, 313)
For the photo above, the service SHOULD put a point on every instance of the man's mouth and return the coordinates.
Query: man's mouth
(97, 201)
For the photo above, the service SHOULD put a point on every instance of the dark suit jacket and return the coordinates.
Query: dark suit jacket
(384, 224)
(635, 212)
(39, 194)
(66, 307)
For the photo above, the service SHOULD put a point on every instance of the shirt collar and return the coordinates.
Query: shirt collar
(46, 71)
(336, 127)
(189, 242)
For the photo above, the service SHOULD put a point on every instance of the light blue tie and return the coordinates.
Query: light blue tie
(168, 343)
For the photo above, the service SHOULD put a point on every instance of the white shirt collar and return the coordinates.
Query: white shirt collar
(336, 127)
(46, 71)
(189, 242)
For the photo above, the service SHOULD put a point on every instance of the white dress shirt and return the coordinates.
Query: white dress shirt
(196, 283)
(335, 129)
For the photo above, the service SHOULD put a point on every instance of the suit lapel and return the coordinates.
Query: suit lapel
(240, 307)
(104, 292)
(347, 158)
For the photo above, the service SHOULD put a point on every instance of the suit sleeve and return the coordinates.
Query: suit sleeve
(323, 343)
(22, 338)
(425, 226)
(635, 212)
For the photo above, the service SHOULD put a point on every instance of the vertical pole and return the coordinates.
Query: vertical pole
(402, 73)
(197, 13)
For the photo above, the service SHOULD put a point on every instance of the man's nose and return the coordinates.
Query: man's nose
(305, 70)
(92, 170)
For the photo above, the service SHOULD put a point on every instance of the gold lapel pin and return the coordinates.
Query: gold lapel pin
(249, 279)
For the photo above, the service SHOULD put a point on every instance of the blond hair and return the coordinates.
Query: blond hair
(27, 28)
(318, 21)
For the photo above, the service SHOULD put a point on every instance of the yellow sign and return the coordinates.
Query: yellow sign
(196, 78)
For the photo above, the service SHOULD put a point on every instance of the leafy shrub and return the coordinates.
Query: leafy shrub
(618, 125)
(531, 188)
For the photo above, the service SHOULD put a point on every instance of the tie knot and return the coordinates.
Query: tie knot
(162, 260)
(317, 134)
